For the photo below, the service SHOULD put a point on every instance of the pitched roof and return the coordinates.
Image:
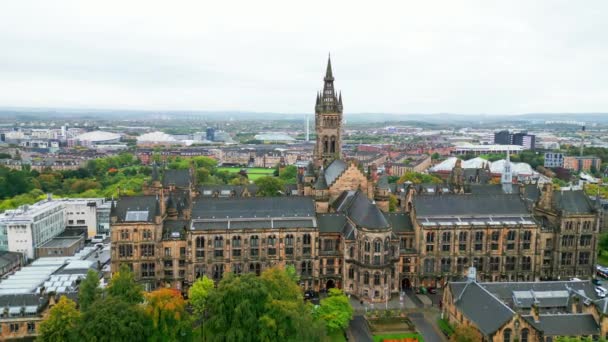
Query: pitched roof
(400, 222)
(565, 324)
(331, 223)
(136, 209)
(383, 183)
(468, 205)
(572, 202)
(481, 307)
(360, 210)
(175, 229)
(321, 183)
(254, 207)
(179, 178)
(334, 170)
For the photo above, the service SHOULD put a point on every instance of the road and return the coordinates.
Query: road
(429, 333)
(359, 331)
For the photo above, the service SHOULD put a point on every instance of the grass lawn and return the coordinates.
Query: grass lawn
(250, 170)
(602, 259)
(380, 338)
(338, 336)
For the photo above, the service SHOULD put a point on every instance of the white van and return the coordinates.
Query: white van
(98, 238)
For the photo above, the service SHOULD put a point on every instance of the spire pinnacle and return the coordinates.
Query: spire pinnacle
(329, 75)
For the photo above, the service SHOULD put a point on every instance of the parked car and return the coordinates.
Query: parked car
(601, 291)
(596, 282)
(431, 290)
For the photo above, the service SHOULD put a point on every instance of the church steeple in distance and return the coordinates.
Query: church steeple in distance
(328, 121)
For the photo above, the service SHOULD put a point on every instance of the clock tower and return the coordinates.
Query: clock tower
(328, 121)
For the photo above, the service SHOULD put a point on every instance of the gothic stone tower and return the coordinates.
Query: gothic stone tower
(328, 121)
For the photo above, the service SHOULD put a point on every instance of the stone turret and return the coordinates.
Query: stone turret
(456, 179)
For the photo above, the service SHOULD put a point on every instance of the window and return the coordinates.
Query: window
(366, 259)
(351, 252)
(124, 234)
(14, 327)
(147, 250)
(328, 245)
(147, 234)
(527, 239)
(524, 334)
(462, 241)
(377, 246)
(79, 221)
(376, 260)
(478, 263)
(237, 269)
(236, 242)
(586, 225)
(494, 264)
(402, 243)
(182, 252)
(199, 270)
(147, 269)
(306, 241)
(218, 271)
(495, 237)
(585, 240)
(461, 263)
(478, 241)
(289, 244)
(125, 251)
(167, 251)
(510, 263)
(367, 246)
(429, 248)
(218, 242)
(254, 243)
(430, 237)
(200, 247)
(568, 225)
(272, 249)
(429, 265)
(566, 258)
(376, 278)
(255, 267)
(168, 263)
(31, 327)
(351, 273)
(218, 253)
(511, 240)
(445, 264)
(236, 253)
(506, 335)
(567, 240)
(366, 278)
(526, 263)
(306, 268)
(583, 258)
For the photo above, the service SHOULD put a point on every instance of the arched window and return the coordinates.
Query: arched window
(524, 334)
(236, 242)
(325, 145)
(366, 278)
(218, 271)
(200, 247)
(377, 278)
(332, 148)
(351, 252)
(255, 267)
(218, 242)
(506, 335)
(237, 269)
(272, 249)
(351, 273)
(377, 246)
(367, 246)
(306, 239)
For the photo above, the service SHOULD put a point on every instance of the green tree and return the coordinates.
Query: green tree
(335, 311)
(435, 156)
(392, 203)
(288, 174)
(418, 178)
(89, 290)
(465, 333)
(292, 273)
(199, 293)
(123, 286)
(269, 186)
(61, 323)
(114, 319)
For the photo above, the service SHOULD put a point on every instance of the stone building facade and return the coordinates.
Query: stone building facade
(338, 228)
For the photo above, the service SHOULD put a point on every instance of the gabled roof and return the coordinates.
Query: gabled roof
(136, 209)
(572, 202)
(334, 170)
(565, 324)
(331, 223)
(481, 307)
(179, 178)
(360, 210)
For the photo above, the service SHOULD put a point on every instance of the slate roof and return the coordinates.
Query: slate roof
(321, 183)
(360, 210)
(254, 207)
(469, 205)
(481, 307)
(22, 300)
(400, 222)
(147, 204)
(565, 324)
(504, 290)
(175, 228)
(383, 183)
(334, 170)
(572, 202)
(331, 223)
(179, 178)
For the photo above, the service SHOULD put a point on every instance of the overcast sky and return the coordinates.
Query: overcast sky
(397, 57)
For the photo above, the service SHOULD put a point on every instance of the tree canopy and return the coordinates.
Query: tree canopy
(123, 286)
(61, 323)
(418, 178)
(167, 309)
(269, 186)
(464, 333)
(199, 293)
(89, 290)
(335, 311)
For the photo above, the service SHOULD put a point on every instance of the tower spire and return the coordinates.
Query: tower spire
(507, 176)
(329, 75)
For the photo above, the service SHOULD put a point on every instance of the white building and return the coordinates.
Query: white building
(81, 213)
(553, 159)
(30, 226)
(486, 149)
